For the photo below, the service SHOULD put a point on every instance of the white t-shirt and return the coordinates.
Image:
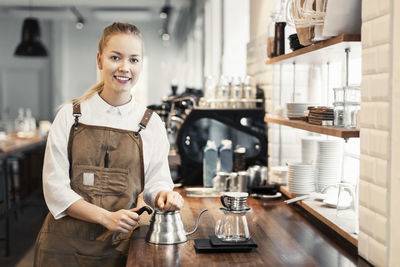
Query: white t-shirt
(95, 111)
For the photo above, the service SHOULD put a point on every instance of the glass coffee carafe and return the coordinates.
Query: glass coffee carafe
(233, 226)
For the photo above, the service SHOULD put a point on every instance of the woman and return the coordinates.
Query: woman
(103, 150)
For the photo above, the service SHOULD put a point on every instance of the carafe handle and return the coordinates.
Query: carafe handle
(223, 201)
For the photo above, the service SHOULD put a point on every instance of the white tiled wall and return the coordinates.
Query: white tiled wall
(375, 126)
(394, 198)
(379, 215)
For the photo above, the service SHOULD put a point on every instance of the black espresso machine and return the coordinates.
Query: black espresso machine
(189, 127)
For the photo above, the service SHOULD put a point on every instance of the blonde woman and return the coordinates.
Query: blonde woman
(103, 150)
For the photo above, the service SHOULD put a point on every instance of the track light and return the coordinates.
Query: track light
(165, 36)
(165, 10)
(80, 21)
(80, 24)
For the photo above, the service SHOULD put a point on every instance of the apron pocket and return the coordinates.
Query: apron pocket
(96, 261)
(92, 181)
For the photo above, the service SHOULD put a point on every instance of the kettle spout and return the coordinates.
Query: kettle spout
(197, 222)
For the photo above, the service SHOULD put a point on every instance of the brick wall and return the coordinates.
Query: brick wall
(394, 231)
(375, 136)
(379, 215)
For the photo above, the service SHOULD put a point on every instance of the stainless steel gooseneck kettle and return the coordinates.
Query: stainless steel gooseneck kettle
(167, 228)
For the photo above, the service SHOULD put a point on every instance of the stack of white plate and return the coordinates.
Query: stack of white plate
(301, 178)
(329, 163)
(278, 174)
(296, 110)
(309, 149)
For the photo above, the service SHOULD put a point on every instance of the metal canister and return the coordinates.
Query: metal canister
(243, 181)
(239, 159)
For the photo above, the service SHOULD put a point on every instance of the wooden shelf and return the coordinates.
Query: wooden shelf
(342, 224)
(330, 50)
(328, 130)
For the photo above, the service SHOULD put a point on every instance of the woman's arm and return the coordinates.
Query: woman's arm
(120, 221)
(158, 183)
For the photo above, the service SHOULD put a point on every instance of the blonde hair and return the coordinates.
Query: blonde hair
(116, 27)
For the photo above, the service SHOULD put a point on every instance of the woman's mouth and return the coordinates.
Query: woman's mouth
(122, 79)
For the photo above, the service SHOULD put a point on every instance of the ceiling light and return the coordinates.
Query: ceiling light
(165, 36)
(80, 21)
(30, 46)
(165, 10)
(80, 24)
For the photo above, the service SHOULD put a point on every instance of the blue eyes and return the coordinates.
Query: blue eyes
(131, 60)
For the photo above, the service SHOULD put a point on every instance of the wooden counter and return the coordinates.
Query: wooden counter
(286, 235)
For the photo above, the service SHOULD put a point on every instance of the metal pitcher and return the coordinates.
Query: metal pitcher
(167, 228)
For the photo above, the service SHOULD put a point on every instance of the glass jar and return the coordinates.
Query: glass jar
(338, 110)
(352, 94)
(222, 93)
(236, 93)
(350, 114)
(271, 35)
(249, 92)
(279, 41)
(338, 94)
(209, 92)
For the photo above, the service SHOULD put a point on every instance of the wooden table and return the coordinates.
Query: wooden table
(14, 144)
(10, 148)
(285, 234)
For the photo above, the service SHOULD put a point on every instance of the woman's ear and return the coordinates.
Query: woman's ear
(99, 64)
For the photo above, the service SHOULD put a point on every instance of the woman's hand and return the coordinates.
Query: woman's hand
(122, 221)
(169, 201)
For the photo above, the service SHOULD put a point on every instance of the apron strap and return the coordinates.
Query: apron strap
(76, 112)
(145, 119)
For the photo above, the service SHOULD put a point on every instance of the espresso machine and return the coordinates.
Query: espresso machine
(245, 127)
(190, 126)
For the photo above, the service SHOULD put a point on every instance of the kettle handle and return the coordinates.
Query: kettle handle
(197, 222)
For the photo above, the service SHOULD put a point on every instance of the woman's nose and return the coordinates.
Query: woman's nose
(123, 67)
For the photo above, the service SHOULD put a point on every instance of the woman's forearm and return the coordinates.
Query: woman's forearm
(118, 221)
(88, 212)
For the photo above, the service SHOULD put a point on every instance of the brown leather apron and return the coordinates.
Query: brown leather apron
(106, 169)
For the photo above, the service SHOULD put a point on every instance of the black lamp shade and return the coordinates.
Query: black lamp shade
(31, 46)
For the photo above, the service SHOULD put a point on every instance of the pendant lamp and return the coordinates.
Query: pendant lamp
(31, 46)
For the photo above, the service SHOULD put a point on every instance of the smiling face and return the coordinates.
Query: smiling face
(120, 63)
